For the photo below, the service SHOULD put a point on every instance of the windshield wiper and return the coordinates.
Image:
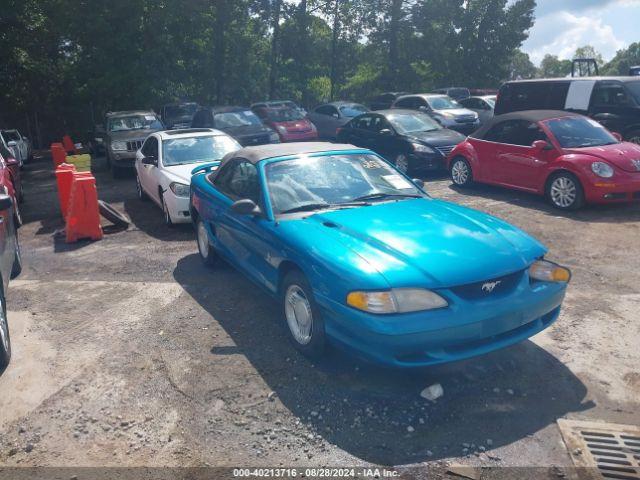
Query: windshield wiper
(382, 196)
(307, 207)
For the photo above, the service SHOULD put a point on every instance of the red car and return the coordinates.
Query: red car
(10, 182)
(290, 123)
(569, 158)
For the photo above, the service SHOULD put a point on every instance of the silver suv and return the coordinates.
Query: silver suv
(124, 135)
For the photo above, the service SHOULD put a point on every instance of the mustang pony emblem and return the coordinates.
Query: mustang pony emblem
(636, 163)
(490, 286)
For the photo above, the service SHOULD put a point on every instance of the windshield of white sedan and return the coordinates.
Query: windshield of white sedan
(412, 123)
(182, 151)
(334, 181)
(578, 132)
(134, 122)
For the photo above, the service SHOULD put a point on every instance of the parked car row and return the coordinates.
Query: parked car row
(17, 144)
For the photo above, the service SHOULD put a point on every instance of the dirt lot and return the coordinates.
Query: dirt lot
(128, 351)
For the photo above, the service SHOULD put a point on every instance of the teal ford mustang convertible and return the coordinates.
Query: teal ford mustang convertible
(360, 256)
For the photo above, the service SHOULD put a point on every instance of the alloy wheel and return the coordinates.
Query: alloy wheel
(299, 314)
(563, 192)
(4, 328)
(139, 188)
(460, 172)
(203, 240)
(165, 211)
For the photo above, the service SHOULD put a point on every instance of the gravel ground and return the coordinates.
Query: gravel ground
(128, 352)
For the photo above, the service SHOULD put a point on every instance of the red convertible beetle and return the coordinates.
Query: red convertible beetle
(569, 158)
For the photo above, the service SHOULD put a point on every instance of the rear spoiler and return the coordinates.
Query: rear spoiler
(206, 168)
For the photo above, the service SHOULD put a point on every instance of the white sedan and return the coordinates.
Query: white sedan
(164, 164)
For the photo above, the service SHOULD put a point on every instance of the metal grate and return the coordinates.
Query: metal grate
(134, 145)
(614, 450)
(445, 149)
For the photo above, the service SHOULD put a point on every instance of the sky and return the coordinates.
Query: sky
(563, 25)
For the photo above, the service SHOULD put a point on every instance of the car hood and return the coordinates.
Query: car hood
(621, 154)
(294, 126)
(457, 112)
(140, 134)
(181, 173)
(437, 138)
(425, 242)
(247, 131)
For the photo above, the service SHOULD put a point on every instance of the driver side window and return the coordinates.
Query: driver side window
(239, 180)
(150, 147)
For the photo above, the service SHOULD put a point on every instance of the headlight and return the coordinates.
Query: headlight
(447, 114)
(418, 148)
(118, 146)
(549, 272)
(602, 169)
(274, 138)
(397, 300)
(179, 189)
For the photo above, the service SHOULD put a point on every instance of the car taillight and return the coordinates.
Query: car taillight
(338, 130)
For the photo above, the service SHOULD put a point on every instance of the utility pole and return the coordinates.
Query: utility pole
(334, 47)
(275, 39)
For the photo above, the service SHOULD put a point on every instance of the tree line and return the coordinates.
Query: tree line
(63, 63)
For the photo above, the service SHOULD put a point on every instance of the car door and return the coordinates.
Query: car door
(358, 133)
(327, 120)
(245, 239)
(519, 164)
(610, 104)
(382, 137)
(148, 173)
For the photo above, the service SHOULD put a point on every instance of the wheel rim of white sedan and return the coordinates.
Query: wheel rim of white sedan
(165, 210)
(563, 192)
(402, 163)
(299, 315)
(4, 329)
(460, 172)
(203, 240)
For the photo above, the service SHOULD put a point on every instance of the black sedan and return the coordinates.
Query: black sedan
(10, 267)
(413, 141)
(239, 122)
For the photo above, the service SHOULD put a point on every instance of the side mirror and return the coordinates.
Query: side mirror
(541, 145)
(11, 143)
(386, 132)
(418, 183)
(149, 160)
(617, 136)
(423, 108)
(5, 202)
(246, 206)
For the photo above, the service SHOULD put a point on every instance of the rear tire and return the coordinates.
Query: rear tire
(113, 215)
(208, 255)
(461, 173)
(16, 268)
(5, 339)
(564, 191)
(305, 326)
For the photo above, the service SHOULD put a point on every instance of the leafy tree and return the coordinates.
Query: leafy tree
(589, 52)
(623, 60)
(521, 66)
(552, 67)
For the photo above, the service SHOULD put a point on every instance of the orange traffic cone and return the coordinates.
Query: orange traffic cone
(83, 214)
(58, 154)
(68, 144)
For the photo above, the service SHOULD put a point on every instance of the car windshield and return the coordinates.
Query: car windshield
(577, 132)
(353, 110)
(284, 114)
(634, 88)
(235, 119)
(181, 111)
(412, 123)
(134, 122)
(11, 135)
(442, 103)
(182, 151)
(334, 181)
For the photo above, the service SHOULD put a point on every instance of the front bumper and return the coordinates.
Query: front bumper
(427, 162)
(178, 207)
(311, 135)
(464, 329)
(619, 189)
(465, 128)
(123, 158)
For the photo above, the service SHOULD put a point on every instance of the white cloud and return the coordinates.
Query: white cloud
(560, 33)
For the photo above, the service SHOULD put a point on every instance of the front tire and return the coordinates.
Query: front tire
(461, 173)
(141, 195)
(401, 161)
(5, 340)
(16, 268)
(564, 191)
(305, 326)
(207, 253)
(165, 213)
